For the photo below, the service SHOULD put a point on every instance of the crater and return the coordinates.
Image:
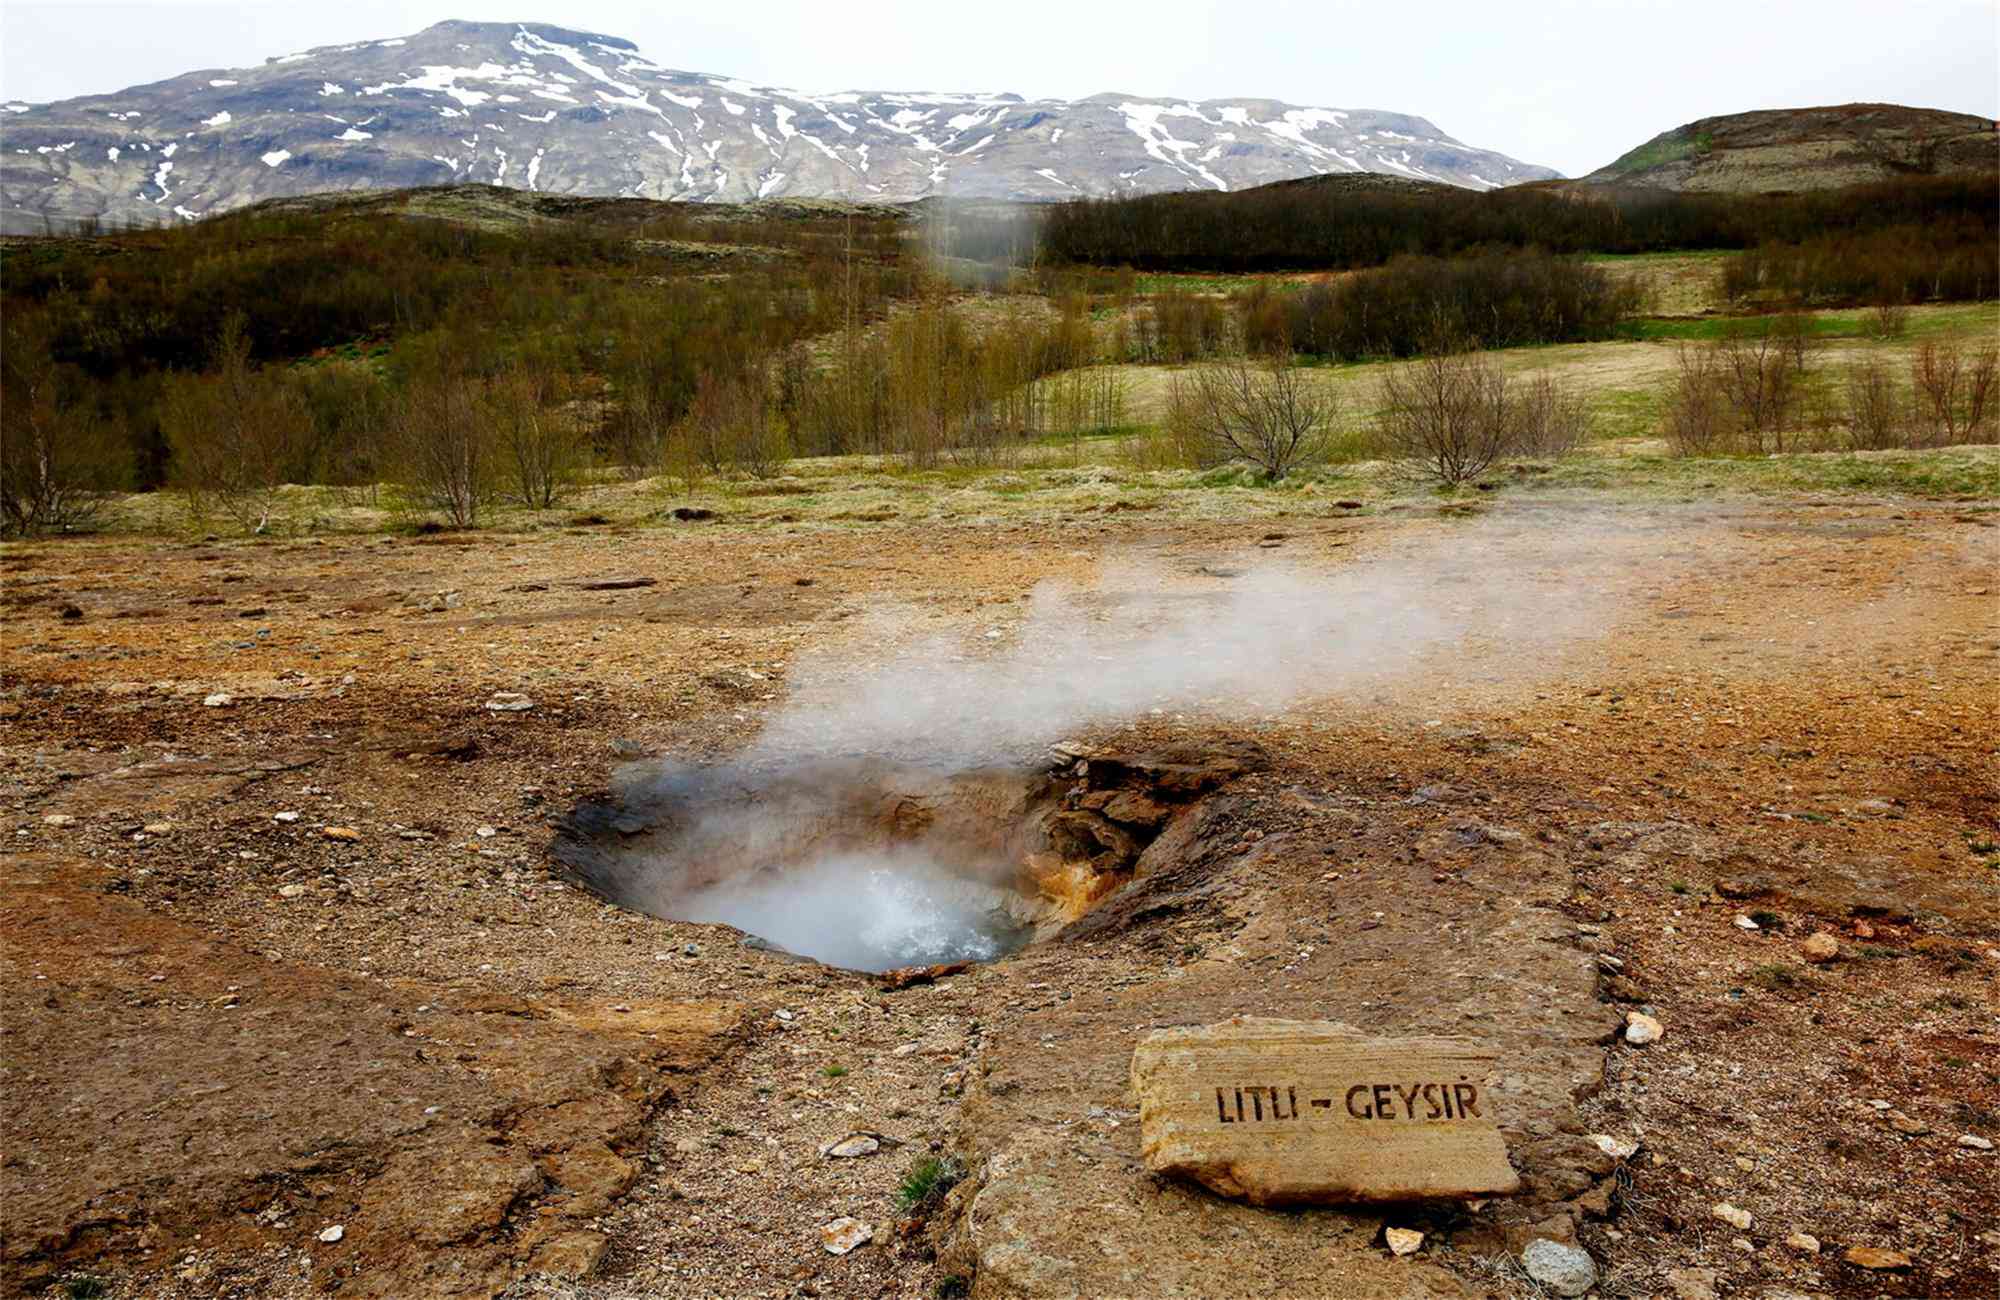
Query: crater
(873, 865)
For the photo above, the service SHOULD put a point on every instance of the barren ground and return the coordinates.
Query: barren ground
(227, 1033)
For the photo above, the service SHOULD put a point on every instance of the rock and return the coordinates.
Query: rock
(856, 1144)
(1745, 923)
(71, 613)
(284, 817)
(904, 977)
(1564, 1270)
(1616, 1147)
(291, 891)
(1403, 1241)
(1821, 947)
(1803, 1242)
(509, 702)
(844, 1234)
(573, 1255)
(219, 700)
(333, 1234)
(1743, 887)
(1876, 1259)
(1974, 1142)
(58, 819)
(1294, 1139)
(616, 584)
(1692, 1283)
(341, 833)
(1907, 1125)
(691, 514)
(1729, 1214)
(1641, 1029)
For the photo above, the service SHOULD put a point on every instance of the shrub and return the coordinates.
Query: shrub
(1272, 415)
(59, 462)
(542, 450)
(1549, 419)
(445, 457)
(1446, 416)
(1697, 415)
(235, 433)
(1953, 394)
(1874, 408)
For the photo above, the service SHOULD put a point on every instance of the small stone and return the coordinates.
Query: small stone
(341, 833)
(158, 828)
(1403, 1241)
(1641, 1029)
(1863, 930)
(291, 891)
(1875, 1258)
(509, 702)
(1745, 923)
(333, 1234)
(1907, 1125)
(1729, 1214)
(1821, 947)
(58, 819)
(486, 832)
(1974, 1142)
(1692, 1283)
(853, 1146)
(1803, 1242)
(844, 1234)
(284, 817)
(1616, 1147)
(1565, 1270)
(219, 700)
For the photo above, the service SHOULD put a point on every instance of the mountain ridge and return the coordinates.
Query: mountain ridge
(544, 107)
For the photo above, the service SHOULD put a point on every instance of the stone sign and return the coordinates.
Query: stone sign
(1287, 1112)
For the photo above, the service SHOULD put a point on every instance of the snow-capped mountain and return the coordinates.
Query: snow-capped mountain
(543, 108)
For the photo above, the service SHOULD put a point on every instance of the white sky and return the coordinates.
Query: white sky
(1567, 83)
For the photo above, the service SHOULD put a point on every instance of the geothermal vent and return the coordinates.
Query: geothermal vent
(873, 865)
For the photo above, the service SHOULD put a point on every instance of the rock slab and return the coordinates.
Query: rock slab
(1291, 1112)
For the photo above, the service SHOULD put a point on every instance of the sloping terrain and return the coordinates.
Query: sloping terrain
(1807, 149)
(544, 108)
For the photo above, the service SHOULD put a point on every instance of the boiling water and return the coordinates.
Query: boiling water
(865, 911)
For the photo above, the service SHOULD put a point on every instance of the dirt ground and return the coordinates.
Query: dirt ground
(287, 951)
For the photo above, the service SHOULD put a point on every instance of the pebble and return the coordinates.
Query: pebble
(1641, 1029)
(1403, 1241)
(1616, 1147)
(1745, 923)
(1974, 1142)
(333, 1234)
(219, 700)
(291, 891)
(1821, 947)
(1729, 1214)
(844, 1234)
(486, 832)
(1803, 1242)
(509, 702)
(852, 1147)
(1875, 1258)
(284, 817)
(341, 833)
(1565, 1270)
(58, 819)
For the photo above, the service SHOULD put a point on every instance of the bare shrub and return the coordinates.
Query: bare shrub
(234, 433)
(1697, 416)
(446, 457)
(1445, 416)
(732, 426)
(542, 449)
(1761, 378)
(1889, 319)
(1549, 419)
(1874, 408)
(59, 463)
(1272, 415)
(1953, 394)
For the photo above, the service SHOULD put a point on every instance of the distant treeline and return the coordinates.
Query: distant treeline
(1324, 225)
(343, 310)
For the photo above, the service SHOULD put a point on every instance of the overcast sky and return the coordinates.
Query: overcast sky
(1567, 83)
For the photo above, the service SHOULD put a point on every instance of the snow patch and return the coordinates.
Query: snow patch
(276, 156)
(544, 119)
(219, 83)
(220, 119)
(735, 109)
(351, 134)
(328, 88)
(534, 168)
(112, 153)
(769, 183)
